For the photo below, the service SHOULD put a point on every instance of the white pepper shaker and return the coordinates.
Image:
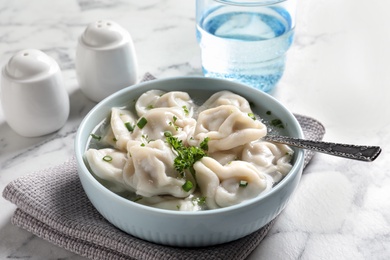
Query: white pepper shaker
(105, 60)
(33, 96)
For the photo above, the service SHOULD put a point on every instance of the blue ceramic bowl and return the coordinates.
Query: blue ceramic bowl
(189, 229)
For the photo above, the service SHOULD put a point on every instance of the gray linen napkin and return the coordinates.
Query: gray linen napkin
(52, 205)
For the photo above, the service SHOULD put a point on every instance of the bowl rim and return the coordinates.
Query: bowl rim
(84, 170)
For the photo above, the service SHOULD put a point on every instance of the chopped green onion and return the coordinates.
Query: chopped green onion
(243, 183)
(149, 107)
(97, 137)
(174, 126)
(129, 127)
(142, 122)
(251, 115)
(143, 145)
(107, 158)
(187, 186)
(268, 112)
(186, 111)
(174, 119)
(167, 134)
(114, 139)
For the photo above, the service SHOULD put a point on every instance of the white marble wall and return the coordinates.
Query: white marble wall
(337, 72)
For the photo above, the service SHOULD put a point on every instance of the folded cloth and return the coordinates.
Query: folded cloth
(52, 205)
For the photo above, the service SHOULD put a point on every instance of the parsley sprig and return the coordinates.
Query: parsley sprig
(186, 156)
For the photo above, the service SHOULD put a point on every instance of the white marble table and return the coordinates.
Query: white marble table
(337, 72)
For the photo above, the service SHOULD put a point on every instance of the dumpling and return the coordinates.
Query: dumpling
(225, 157)
(227, 127)
(147, 101)
(122, 121)
(108, 165)
(157, 99)
(226, 98)
(150, 171)
(228, 185)
(272, 159)
(160, 120)
(177, 99)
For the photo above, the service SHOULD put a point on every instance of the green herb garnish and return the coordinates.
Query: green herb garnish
(142, 122)
(97, 137)
(251, 115)
(205, 144)
(149, 107)
(129, 127)
(243, 183)
(186, 111)
(175, 143)
(186, 156)
(174, 126)
(107, 158)
(268, 112)
(277, 123)
(187, 186)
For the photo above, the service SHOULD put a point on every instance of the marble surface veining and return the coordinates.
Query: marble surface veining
(337, 72)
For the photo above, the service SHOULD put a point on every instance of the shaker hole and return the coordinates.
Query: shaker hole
(108, 24)
(99, 26)
(25, 54)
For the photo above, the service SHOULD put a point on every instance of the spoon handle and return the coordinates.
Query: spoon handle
(356, 152)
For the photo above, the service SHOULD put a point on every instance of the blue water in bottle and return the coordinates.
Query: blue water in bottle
(248, 47)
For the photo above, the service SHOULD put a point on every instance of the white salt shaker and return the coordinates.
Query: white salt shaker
(34, 99)
(105, 60)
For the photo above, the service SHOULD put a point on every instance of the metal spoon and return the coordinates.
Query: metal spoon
(356, 152)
